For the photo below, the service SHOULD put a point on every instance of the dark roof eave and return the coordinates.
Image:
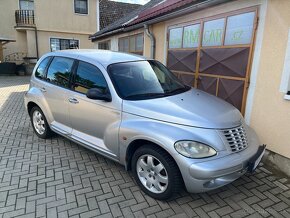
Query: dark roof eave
(192, 8)
(112, 32)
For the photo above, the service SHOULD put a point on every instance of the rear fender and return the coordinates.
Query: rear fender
(36, 96)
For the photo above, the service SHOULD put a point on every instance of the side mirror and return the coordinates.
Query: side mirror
(98, 94)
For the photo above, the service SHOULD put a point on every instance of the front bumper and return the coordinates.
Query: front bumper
(207, 175)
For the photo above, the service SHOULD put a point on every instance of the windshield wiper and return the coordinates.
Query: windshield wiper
(157, 95)
(145, 95)
(178, 90)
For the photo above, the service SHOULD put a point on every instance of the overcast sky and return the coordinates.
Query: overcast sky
(142, 2)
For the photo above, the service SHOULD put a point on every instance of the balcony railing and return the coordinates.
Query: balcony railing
(24, 18)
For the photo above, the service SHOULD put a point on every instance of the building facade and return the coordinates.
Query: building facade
(237, 50)
(40, 26)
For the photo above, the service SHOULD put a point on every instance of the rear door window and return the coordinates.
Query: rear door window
(40, 72)
(87, 77)
(59, 71)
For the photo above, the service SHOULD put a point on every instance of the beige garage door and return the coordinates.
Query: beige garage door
(214, 54)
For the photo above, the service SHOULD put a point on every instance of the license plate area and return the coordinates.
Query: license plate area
(256, 159)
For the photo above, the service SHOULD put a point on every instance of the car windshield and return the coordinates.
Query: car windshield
(142, 80)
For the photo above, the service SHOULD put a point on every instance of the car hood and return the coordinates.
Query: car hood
(192, 108)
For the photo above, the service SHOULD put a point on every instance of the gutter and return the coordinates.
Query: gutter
(152, 39)
(186, 10)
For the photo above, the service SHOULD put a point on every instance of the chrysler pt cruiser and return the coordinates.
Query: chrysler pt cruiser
(134, 111)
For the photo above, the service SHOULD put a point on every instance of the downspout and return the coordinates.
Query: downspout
(152, 40)
(98, 15)
(36, 41)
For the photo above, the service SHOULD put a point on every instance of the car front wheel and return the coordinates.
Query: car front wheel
(156, 172)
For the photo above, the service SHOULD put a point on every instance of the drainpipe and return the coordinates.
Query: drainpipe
(36, 42)
(152, 40)
(98, 15)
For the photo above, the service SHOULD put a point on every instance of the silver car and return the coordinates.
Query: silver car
(136, 112)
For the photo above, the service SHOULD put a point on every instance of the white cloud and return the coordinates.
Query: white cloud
(141, 2)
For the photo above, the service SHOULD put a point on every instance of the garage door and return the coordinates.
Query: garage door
(214, 54)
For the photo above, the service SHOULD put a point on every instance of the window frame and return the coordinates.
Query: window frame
(45, 69)
(74, 73)
(56, 38)
(105, 41)
(204, 20)
(79, 13)
(129, 37)
(71, 73)
(19, 2)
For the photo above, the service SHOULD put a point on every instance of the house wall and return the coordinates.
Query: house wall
(271, 113)
(114, 40)
(59, 16)
(53, 18)
(7, 30)
(160, 38)
(44, 40)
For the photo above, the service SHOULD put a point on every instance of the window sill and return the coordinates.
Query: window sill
(287, 97)
(81, 14)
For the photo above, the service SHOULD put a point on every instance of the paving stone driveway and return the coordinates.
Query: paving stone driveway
(58, 178)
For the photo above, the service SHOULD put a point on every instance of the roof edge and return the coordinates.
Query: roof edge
(186, 10)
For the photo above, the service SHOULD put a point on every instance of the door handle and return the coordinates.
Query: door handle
(73, 100)
(43, 89)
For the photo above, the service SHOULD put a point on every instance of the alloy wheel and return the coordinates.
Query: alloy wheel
(152, 174)
(38, 122)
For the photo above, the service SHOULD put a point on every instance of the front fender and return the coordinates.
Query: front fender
(165, 135)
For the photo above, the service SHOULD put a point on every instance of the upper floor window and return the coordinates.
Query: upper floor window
(81, 6)
(87, 77)
(61, 44)
(26, 4)
(132, 44)
(59, 71)
(106, 45)
(40, 72)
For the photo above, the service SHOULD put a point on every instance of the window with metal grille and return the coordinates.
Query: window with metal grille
(132, 44)
(81, 6)
(62, 44)
(105, 45)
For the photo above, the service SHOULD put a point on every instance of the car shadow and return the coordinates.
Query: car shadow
(10, 81)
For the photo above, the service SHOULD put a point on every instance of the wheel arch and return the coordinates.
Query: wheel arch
(137, 143)
(31, 105)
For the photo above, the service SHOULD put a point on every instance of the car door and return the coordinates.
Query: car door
(94, 122)
(55, 91)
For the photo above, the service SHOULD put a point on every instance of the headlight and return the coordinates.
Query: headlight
(194, 149)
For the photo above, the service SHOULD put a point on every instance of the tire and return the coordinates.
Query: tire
(39, 123)
(158, 181)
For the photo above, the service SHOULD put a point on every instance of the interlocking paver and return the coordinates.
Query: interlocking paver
(56, 177)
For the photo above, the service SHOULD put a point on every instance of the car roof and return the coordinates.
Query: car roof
(103, 57)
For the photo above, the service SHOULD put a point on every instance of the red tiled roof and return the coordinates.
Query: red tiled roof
(165, 7)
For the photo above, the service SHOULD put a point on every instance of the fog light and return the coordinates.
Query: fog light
(209, 184)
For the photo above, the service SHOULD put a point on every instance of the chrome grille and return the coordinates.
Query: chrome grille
(236, 138)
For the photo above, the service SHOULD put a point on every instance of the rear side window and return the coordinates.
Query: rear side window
(40, 72)
(87, 77)
(59, 71)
